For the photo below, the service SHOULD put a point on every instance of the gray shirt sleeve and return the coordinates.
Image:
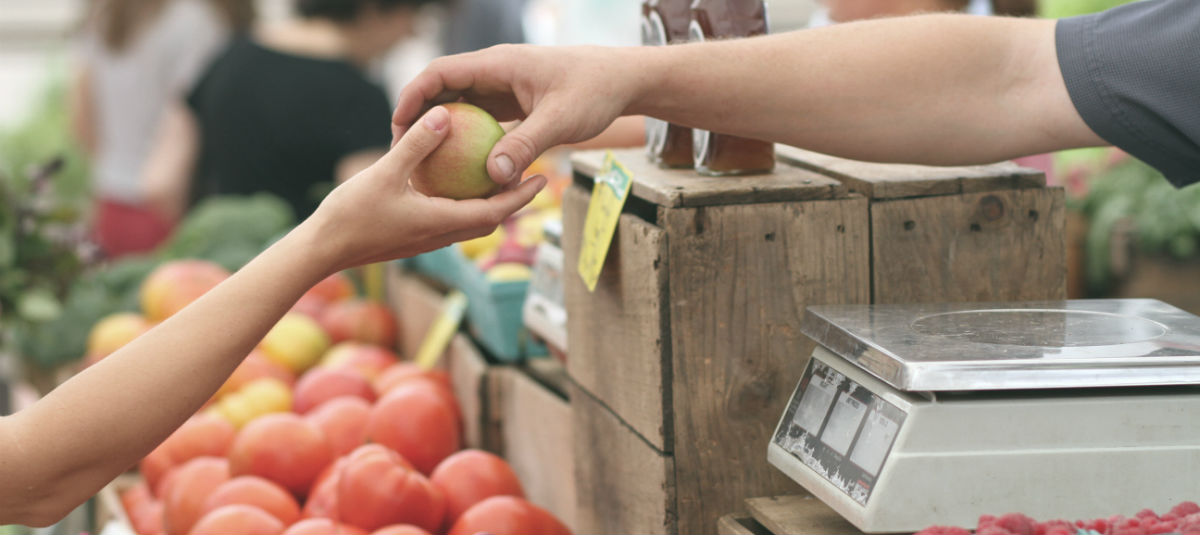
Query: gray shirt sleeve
(1133, 73)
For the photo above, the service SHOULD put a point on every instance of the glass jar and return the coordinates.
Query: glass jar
(718, 154)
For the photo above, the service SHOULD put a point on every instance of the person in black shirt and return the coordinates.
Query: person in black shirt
(287, 110)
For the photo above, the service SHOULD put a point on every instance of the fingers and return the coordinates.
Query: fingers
(490, 212)
(418, 141)
(515, 151)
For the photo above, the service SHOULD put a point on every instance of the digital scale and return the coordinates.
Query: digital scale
(909, 416)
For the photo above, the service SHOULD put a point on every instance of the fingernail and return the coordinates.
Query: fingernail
(505, 165)
(436, 119)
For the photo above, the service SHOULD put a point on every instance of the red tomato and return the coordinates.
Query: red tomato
(283, 448)
(400, 529)
(344, 422)
(471, 476)
(202, 435)
(507, 515)
(188, 489)
(376, 489)
(360, 320)
(418, 423)
(259, 492)
(320, 385)
(154, 467)
(238, 519)
(322, 526)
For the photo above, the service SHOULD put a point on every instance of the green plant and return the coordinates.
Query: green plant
(1164, 220)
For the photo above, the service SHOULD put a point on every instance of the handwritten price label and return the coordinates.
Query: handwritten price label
(608, 197)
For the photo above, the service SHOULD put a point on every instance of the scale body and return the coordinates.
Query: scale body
(914, 415)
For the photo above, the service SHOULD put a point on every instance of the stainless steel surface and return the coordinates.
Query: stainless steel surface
(1009, 346)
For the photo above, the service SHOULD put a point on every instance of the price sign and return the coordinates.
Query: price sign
(608, 197)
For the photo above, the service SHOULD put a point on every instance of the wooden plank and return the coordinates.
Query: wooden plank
(537, 436)
(469, 378)
(623, 484)
(684, 187)
(740, 525)
(892, 181)
(618, 349)
(415, 303)
(798, 515)
(741, 277)
(998, 246)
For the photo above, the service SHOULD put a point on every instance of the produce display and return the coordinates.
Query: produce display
(309, 436)
(1183, 519)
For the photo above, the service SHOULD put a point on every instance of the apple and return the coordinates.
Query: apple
(457, 169)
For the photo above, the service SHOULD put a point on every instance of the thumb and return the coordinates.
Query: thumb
(419, 140)
(518, 148)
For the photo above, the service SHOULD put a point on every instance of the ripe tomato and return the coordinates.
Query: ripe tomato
(400, 529)
(320, 385)
(238, 519)
(188, 489)
(508, 515)
(322, 526)
(418, 423)
(376, 489)
(202, 435)
(281, 447)
(471, 476)
(259, 492)
(344, 422)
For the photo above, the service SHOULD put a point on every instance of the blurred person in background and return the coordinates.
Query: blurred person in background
(134, 57)
(287, 109)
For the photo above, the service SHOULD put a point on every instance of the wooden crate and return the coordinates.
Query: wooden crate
(800, 514)
(690, 345)
(978, 233)
(536, 434)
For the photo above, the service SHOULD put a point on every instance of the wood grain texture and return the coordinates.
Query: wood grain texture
(537, 436)
(997, 246)
(892, 181)
(798, 515)
(469, 379)
(684, 187)
(618, 333)
(740, 525)
(415, 303)
(623, 484)
(740, 279)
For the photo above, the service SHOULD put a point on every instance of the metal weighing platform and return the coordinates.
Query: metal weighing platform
(913, 415)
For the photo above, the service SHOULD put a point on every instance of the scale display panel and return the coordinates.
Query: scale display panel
(839, 429)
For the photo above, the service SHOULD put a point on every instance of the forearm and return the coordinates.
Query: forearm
(102, 421)
(942, 89)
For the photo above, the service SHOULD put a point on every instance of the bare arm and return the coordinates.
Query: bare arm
(934, 89)
(167, 174)
(57, 453)
(83, 110)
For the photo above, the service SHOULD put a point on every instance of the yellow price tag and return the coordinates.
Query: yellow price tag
(438, 338)
(608, 197)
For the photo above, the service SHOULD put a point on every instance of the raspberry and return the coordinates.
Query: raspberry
(1185, 509)
(1056, 527)
(992, 529)
(1146, 513)
(1017, 524)
(945, 530)
(1128, 526)
(1160, 527)
(986, 520)
(1190, 524)
(1098, 525)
